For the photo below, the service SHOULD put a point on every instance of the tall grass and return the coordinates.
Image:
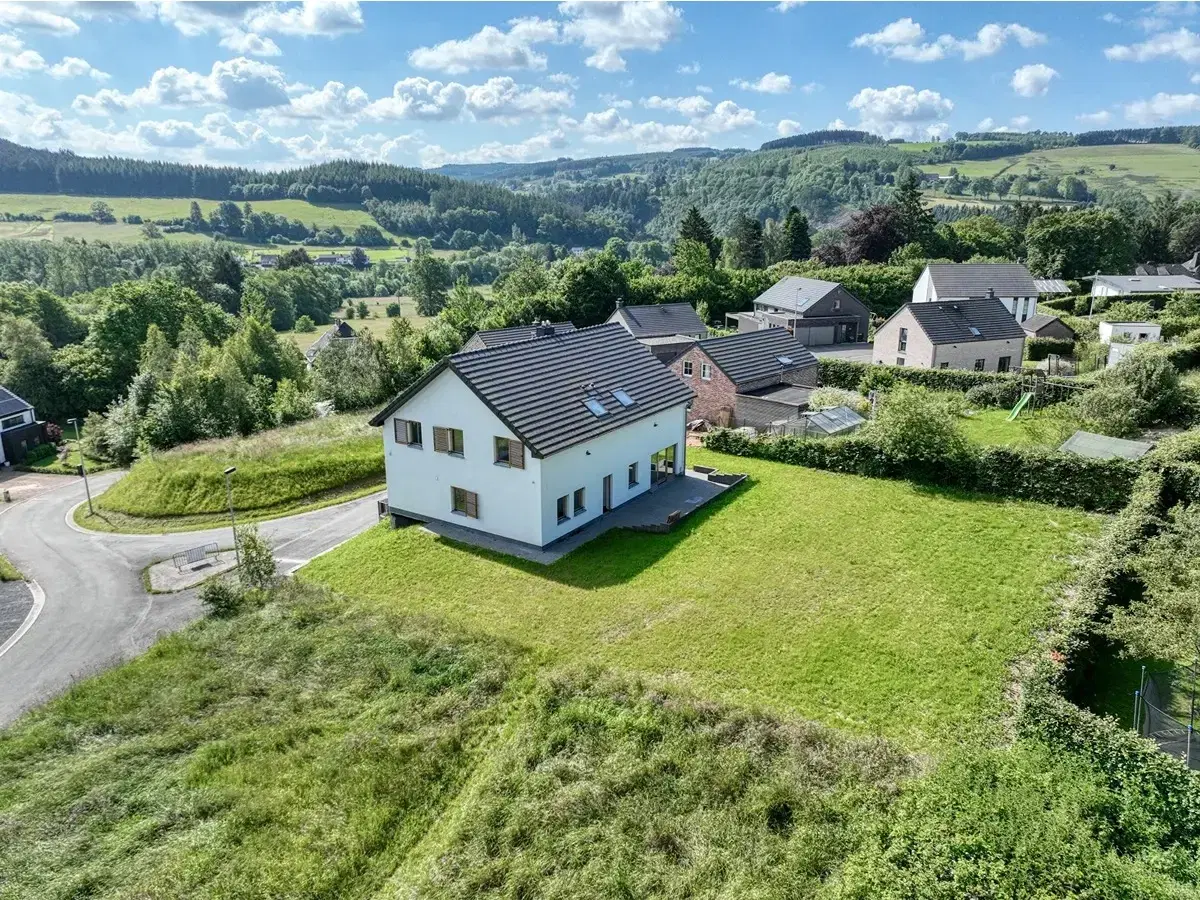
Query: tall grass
(274, 468)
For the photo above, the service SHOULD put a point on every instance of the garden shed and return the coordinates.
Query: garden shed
(832, 422)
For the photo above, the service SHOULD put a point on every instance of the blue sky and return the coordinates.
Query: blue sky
(423, 84)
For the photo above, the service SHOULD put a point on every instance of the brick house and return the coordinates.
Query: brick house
(751, 378)
(980, 335)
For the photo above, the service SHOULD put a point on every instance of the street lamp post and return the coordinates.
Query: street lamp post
(82, 466)
(237, 553)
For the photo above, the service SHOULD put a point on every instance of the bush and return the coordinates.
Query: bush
(38, 453)
(1043, 476)
(305, 325)
(349, 310)
(1038, 348)
(54, 434)
(394, 310)
(363, 311)
(825, 397)
(257, 562)
(918, 428)
(997, 394)
(221, 598)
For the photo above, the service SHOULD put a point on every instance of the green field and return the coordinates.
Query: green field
(283, 471)
(991, 427)
(1141, 166)
(875, 606)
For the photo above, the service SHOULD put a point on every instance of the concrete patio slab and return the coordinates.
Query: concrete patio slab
(658, 510)
(165, 578)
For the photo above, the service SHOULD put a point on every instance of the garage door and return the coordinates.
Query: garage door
(819, 336)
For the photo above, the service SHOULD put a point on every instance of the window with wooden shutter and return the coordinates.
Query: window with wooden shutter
(472, 505)
(464, 502)
(516, 454)
(441, 439)
(401, 429)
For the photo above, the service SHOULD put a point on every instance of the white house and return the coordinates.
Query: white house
(1132, 285)
(534, 439)
(19, 428)
(1130, 332)
(1010, 283)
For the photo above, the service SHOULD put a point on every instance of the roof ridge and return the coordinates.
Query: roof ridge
(558, 334)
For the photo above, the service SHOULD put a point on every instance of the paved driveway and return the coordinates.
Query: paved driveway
(96, 610)
(848, 352)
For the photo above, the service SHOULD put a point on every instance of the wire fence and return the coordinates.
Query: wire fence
(1164, 710)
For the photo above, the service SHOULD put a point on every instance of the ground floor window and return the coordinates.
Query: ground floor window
(1004, 363)
(662, 465)
(562, 509)
(899, 360)
(633, 474)
(979, 364)
(579, 505)
(464, 502)
(943, 365)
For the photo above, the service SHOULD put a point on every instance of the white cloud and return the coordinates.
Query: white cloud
(725, 116)
(811, 87)
(1163, 108)
(1161, 14)
(611, 127)
(1111, 18)
(987, 124)
(334, 104)
(37, 17)
(326, 18)
(787, 127)
(239, 83)
(538, 147)
(905, 39)
(16, 61)
(691, 107)
(1020, 122)
(691, 69)
(771, 83)
(490, 48)
(564, 79)
(837, 125)
(1195, 79)
(247, 43)
(1182, 44)
(786, 5)
(1100, 117)
(500, 99)
(614, 101)
(703, 89)
(608, 28)
(900, 110)
(1033, 80)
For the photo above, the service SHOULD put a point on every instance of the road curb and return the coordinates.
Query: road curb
(39, 601)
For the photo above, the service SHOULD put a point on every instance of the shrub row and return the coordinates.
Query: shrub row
(847, 374)
(1039, 348)
(1017, 473)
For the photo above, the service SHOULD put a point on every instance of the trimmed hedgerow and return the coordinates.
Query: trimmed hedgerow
(847, 374)
(1017, 473)
(1038, 348)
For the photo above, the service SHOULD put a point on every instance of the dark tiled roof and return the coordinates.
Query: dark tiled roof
(499, 336)
(1148, 284)
(791, 394)
(1036, 323)
(659, 319)
(11, 404)
(538, 387)
(751, 355)
(952, 321)
(340, 331)
(972, 280)
(795, 294)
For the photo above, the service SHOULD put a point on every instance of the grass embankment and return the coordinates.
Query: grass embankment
(877, 606)
(279, 472)
(8, 572)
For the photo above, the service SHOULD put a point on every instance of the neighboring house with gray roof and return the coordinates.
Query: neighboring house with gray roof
(979, 335)
(1044, 326)
(816, 312)
(750, 378)
(532, 440)
(1131, 285)
(665, 329)
(497, 337)
(20, 431)
(339, 331)
(1010, 283)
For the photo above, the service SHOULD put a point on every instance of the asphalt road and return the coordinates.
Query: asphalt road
(96, 611)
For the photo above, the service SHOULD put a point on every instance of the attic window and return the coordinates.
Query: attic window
(975, 331)
(784, 360)
(623, 398)
(596, 407)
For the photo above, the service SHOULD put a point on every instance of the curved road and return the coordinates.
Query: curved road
(96, 610)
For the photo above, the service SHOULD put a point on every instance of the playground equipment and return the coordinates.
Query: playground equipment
(1021, 404)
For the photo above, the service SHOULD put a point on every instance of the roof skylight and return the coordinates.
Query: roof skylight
(784, 360)
(596, 407)
(975, 331)
(623, 398)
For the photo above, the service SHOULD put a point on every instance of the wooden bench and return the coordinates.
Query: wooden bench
(194, 555)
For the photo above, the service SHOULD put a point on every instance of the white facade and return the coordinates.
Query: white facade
(1131, 332)
(514, 503)
(924, 291)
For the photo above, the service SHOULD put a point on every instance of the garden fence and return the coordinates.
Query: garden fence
(1162, 691)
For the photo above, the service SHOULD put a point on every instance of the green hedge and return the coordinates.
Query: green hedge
(846, 374)
(1016, 473)
(1038, 348)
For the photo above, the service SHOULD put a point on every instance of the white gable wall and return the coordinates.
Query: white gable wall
(419, 480)
(923, 290)
(586, 464)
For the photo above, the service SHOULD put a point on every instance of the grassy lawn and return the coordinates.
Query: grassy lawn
(8, 572)
(377, 324)
(279, 472)
(1142, 166)
(991, 427)
(876, 606)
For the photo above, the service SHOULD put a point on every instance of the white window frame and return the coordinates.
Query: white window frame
(688, 371)
(705, 372)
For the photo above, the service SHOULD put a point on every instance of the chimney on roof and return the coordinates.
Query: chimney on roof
(991, 293)
(545, 329)
(620, 304)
